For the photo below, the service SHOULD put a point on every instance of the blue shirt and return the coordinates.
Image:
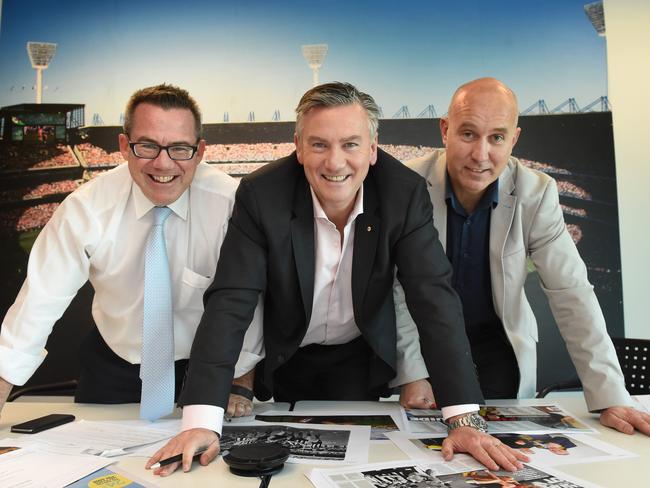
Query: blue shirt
(468, 241)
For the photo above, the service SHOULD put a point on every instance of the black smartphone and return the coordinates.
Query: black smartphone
(42, 423)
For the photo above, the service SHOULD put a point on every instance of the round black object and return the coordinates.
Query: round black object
(257, 459)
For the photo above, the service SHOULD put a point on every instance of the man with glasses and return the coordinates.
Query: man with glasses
(101, 233)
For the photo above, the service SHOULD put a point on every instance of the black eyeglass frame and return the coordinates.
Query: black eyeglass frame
(133, 145)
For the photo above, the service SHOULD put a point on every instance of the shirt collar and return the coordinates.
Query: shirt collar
(143, 204)
(319, 213)
(489, 199)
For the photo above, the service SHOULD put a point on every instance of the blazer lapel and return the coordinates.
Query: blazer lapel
(302, 239)
(366, 237)
(500, 223)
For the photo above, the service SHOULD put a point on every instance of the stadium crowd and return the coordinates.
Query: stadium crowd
(15, 157)
(44, 189)
(567, 189)
(96, 156)
(23, 219)
(544, 167)
(233, 159)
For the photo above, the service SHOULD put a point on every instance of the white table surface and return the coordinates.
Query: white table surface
(614, 474)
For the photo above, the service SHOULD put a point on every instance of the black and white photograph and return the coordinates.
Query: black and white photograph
(311, 444)
(397, 477)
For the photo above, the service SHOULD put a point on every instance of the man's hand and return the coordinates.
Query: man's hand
(488, 450)
(240, 406)
(5, 389)
(187, 443)
(626, 420)
(417, 394)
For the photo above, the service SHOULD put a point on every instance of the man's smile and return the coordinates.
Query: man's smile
(336, 178)
(162, 178)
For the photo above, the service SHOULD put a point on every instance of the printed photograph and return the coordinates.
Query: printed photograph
(526, 477)
(379, 424)
(304, 443)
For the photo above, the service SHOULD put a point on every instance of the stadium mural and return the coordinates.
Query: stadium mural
(69, 67)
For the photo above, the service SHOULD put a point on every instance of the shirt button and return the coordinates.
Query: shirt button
(465, 254)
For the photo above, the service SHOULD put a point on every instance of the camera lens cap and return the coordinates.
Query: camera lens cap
(257, 459)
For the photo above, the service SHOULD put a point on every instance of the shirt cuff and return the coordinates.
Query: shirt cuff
(202, 417)
(16, 367)
(453, 410)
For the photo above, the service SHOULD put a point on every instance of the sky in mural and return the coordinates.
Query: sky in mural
(245, 56)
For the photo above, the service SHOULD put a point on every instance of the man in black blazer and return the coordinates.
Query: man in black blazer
(321, 234)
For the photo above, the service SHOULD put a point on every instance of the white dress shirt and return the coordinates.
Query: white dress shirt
(332, 315)
(98, 233)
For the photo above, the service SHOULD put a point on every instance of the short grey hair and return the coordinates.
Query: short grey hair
(337, 94)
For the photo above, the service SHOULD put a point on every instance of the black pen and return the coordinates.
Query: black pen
(177, 458)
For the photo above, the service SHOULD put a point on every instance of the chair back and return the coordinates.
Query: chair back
(634, 357)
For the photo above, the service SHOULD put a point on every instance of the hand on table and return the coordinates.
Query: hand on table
(417, 394)
(488, 450)
(187, 443)
(626, 420)
(238, 405)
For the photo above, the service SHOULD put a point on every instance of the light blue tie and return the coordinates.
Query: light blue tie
(157, 366)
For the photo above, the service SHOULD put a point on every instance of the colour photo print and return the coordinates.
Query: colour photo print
(542, 449)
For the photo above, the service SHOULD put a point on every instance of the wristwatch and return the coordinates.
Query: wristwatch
(473, 420)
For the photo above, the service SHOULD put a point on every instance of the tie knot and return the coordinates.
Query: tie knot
(160, 214)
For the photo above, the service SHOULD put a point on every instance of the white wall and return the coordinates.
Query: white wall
(627, 24)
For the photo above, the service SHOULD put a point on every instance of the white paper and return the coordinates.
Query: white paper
(354, 440)
(34, 467)
(106, 438)
(451, 475)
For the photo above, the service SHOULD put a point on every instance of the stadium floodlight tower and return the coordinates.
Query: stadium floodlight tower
(315, 55)
(40, 55)
(596, 16)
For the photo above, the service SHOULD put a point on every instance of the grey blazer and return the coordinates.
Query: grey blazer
(528, 222)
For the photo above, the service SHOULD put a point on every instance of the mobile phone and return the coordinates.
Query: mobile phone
(42, 423)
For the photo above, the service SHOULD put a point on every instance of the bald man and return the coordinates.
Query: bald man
(492, 213)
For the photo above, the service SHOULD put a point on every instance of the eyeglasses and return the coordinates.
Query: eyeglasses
(150, 150)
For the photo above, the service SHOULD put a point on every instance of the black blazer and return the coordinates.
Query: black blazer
(269, 247)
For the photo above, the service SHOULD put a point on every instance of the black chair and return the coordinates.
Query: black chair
(60, 370)
(572, 384)
(62, 388)
(634, 358)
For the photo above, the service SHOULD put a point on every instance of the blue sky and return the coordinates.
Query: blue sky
(245, 55)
